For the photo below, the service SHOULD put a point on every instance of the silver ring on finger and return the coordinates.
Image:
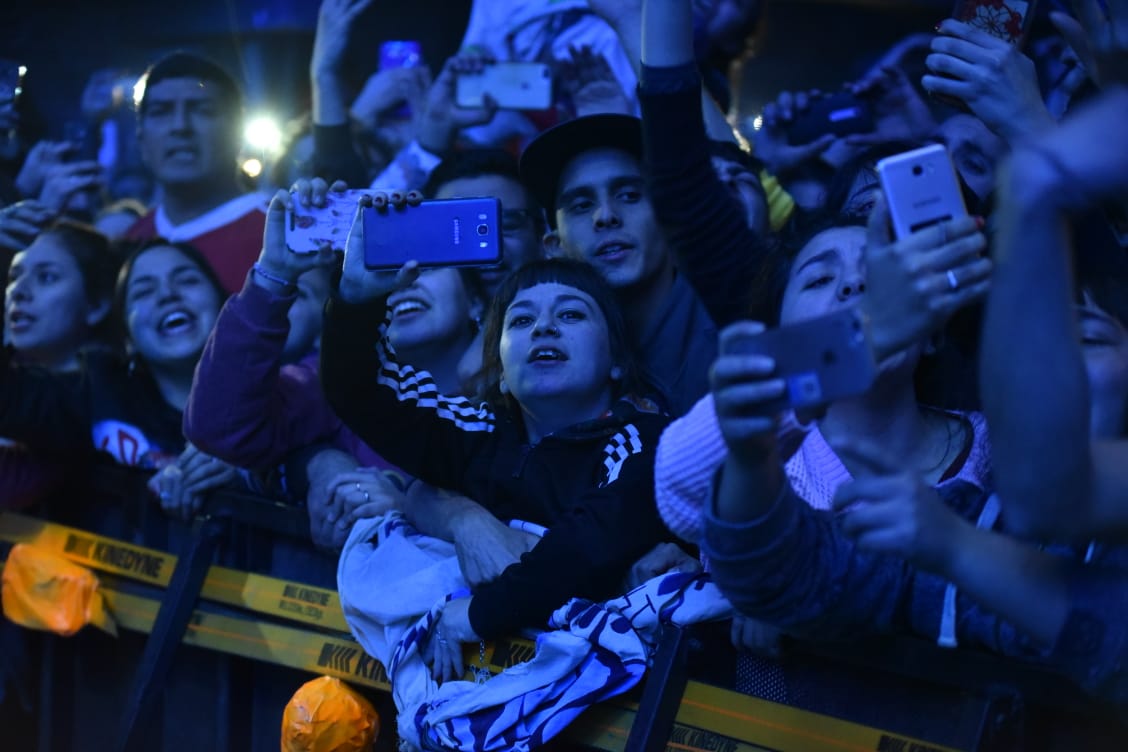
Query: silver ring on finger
(953, 280)
(367, 498)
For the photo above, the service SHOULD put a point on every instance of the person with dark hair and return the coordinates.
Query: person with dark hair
(58, 296)
(189, 130)
(559, 440)
(588, 175)
(473, 173)
(166, 300)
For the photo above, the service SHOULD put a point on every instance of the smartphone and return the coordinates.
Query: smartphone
(84, 140)
(841, 113)
(1009, 20)
(310, 227)
(921, 189)
(439, 232)
(513, 85)
(821, 360)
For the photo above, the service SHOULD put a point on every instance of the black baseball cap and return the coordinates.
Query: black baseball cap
(545, 158)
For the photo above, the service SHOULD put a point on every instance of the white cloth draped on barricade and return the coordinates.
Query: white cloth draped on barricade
(393, 583)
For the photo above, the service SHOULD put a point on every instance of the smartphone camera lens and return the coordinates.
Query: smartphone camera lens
(483, 229)
(917, 170)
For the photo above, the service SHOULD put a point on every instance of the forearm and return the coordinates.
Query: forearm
(1025, 586)
(330, 98)
(1034, 384)
(443, 516)
(746, 490)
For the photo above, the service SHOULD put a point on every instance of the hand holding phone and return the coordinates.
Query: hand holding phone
(512, 85)
(921, 189)
(840, 114)
(439, 232)
(326, 221)
(819, 361)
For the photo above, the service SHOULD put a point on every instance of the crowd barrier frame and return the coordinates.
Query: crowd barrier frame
(285, 622)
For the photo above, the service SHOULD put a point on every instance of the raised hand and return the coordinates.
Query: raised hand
(21, 222)
(62, 182)
(441, 119)
(387, 89)
(330, 42)
(771, 139)
(360, 284)
(915, 284)
(276, 260)
(743, 387)
(996, 81)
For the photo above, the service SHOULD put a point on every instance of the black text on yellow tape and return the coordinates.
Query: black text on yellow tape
(708, 718)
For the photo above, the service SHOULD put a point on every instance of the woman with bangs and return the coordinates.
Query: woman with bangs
(558, 440)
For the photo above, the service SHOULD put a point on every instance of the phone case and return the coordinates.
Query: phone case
(842, 114)
(821, 360)
(515, 86)
(447, 232)
(1008, 20)
(310, 227)
(921, 189)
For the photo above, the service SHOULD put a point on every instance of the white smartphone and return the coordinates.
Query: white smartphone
(310, 227)
(513, 85)
(921, 189)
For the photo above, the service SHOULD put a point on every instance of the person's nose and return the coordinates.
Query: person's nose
(545, 326)
(606, 216)
(20, 290)
(851, 287)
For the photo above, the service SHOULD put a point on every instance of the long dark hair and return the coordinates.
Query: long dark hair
(573, 273)
(187, 249)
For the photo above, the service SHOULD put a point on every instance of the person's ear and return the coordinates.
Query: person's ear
(502, 386)
(552, 246)
(477, 310)
(97, 312)
(616, 373)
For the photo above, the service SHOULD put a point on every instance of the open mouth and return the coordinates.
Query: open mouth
(613, 249)
(18, 320)
(181, 153)
(408, 306)
(546, 355)
(176, 322)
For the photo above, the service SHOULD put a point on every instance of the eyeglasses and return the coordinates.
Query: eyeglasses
(516, 220)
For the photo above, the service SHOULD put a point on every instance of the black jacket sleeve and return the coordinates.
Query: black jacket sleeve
(707, 229)
(393, 408)
(586, 554)
(44, 410)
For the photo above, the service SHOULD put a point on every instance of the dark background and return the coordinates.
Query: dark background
(267, 43)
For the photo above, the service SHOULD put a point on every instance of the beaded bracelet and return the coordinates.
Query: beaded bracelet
(259, 270)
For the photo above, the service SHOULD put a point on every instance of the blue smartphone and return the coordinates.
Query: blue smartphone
(439, 232)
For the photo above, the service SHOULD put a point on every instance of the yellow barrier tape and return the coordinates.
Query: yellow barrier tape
(708, 719)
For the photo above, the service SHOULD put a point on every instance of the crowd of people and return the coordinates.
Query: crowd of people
(584, 415)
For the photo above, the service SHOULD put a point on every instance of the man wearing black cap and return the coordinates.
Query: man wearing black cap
(588, 174)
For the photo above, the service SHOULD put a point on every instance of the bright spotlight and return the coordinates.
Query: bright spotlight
(252, 167)
(263, 134)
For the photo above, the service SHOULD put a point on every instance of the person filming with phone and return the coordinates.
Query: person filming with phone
(558, 440)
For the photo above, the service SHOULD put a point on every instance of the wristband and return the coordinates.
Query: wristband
(262, 272)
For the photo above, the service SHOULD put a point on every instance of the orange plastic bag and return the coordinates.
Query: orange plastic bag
(42, 590)
(326, 715)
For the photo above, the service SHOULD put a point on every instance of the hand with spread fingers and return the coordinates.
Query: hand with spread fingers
(913, 285)
(893, 511)
(441, 120)
(996, 81)
(61, 182)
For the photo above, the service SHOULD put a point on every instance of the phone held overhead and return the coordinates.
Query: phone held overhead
(437, 232)
(921, 189)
